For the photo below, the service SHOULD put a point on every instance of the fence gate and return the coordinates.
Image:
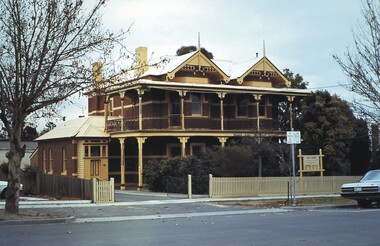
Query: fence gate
(103, 190)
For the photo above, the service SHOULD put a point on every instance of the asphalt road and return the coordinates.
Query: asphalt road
(315, 226)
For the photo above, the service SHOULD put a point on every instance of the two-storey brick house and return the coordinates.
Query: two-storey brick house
(180, 105)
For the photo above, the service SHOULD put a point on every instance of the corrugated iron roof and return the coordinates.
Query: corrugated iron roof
(84, 127)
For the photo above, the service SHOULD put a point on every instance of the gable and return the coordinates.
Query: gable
(199, 65)
(265, 71)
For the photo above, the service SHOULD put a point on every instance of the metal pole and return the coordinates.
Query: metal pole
(294, 174)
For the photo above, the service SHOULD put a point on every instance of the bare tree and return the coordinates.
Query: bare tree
(46, 50)
(362, 64)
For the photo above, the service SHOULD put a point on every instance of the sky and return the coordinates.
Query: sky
(301, 35)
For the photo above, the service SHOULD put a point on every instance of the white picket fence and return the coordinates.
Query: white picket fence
(256, 186)
(103, 190)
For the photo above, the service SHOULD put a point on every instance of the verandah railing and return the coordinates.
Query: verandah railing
(174, 121)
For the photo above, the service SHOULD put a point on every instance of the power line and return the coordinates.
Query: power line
(328, 86)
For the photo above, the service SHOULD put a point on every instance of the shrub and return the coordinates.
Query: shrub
(157, 173)
(231, 161)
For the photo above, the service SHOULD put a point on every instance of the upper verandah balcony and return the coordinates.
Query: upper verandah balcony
(244, 95)
(163, 110)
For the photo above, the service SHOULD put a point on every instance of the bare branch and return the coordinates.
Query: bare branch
(362, 63)
(46, 51)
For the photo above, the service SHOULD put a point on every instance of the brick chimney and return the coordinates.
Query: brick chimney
(96, 98)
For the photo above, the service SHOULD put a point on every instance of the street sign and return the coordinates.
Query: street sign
(293, 137)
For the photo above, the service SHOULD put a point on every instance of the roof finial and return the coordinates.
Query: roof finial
(199, 41)
(264, 47)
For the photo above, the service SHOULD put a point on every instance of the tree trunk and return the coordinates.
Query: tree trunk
(15, 154)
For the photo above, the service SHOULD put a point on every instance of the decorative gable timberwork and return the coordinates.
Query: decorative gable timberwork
(199, 66)
(264, 72)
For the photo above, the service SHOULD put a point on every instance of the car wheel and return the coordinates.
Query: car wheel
(3, 193)
(364, 203)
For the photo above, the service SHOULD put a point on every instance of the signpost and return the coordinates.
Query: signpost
(311, 163)
(293, 137)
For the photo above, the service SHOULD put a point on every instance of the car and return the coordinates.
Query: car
(3, 188)
(366, 191)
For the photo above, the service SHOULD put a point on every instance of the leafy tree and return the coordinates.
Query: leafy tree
(328, 123)
(45, 52)
(360, 153)
(362, 64)
(282, 113)
(232, 161)
(273, 155)
(48, 127)
(29, 133)
(187, 49)
(296, 80)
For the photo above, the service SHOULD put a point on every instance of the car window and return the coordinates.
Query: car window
(372, 175)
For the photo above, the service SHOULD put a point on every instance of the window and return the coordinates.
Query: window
(95, 151)
(64, 162)
(111, 107)
(175, 109)
(86, 153)
(242, 106)
(50, 161)
(262, 108)
(104, 151)
(44, 160)
(197, 148)
(174, 150)
(196, 103)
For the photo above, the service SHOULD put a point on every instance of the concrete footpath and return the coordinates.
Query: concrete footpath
(133, 205)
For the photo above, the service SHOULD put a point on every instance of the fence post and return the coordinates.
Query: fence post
(112, 189)
(189, 186)
(210, 186)
(94, 190)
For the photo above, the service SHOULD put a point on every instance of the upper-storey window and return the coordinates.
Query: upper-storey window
(242, 106)
(196, 104)
(111, 107)
(262, 107)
